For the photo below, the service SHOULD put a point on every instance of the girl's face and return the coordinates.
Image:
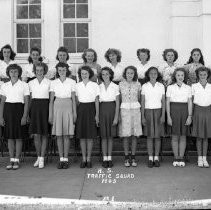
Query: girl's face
(170, 57)
(39, 71)
(35, 56)
(62, 56)
(203, 76)
(14, 74)
(106, 75)
(112, 57)
(6, 53)
(196, 56)
(180, 76)
(143, 56)
(62, 71)
(84, 75)
(130, 75)
(89, 57)
(153, 75)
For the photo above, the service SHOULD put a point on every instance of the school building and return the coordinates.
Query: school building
(101, 24)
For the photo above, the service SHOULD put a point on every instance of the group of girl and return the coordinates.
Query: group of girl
(120, 101)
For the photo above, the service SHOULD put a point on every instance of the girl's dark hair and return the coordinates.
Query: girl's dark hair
(12, 54)
(170, 50)
(37, 50)
(201, 60)
(174, 75)
(89, 50)
(143, 50)
(86, 68)
(113, 51)
(43, 65)
(147, 78)
(63, 65)
(109, 70)
(202, 68)
(14, 66)
(135, 78)
(62, 49)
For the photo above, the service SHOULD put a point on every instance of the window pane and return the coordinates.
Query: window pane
(22, 30)
(69, 1)
(35, 43)
(82, 11)
(22, 45)
(70, 44)
(34, 1)
(69, 11)
(22, 12)
(82, 44)
(22, 1)
(69, 29)
(82, 1)
(34, 11)
(82, 30)
(35, 30)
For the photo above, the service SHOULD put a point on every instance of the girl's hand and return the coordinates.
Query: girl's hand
(97, 120)
(115, 121)
(169, 121)
(162, 119)
(2, 123)
(74, 117)
(23, 120)
(189, 120)
(144, 122)
(50, 119)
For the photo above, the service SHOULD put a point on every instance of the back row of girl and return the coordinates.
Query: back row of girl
(62, 114)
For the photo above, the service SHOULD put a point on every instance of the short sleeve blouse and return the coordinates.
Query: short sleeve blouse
(110, 93)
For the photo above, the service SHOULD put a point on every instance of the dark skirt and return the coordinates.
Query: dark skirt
(179, 115)
(86, 125)
(201, 122)
(116, 82)
(13, 113)
(39, 117)
(153, 128)
(107, 113)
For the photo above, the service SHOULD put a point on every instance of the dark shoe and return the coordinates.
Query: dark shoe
(83, 164)
(110, 164)
(65, 165)
(105, 164)
(60, 165)
(16, 166)
(89, 164)
(10, 166)
(157, 163)
(150, 164)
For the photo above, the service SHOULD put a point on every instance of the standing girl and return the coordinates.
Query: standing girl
(113, 56)
(62, 111)
(14, 112)
(39, 110)
(87, 93)
(179, 113)
(7, 57)
(109, 114)
(153, 113)
(201, 92)
(130, 114)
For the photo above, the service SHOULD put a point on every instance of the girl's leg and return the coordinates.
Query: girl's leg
(44, 145)
(60, 145)
(37, 144)
(182, 146)
(19, 144)
(66, 146)
(89, 149)
(175, 146)
(126, 146)
(104, 149)
(199, 151)
(11, 147)
(204, 157)
(83, 149)
(110, 148)
(134, 145)
(157, 148)
(150, 148)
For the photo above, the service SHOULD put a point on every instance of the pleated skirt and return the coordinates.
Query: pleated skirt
(201, 122)
(107, 113)
(153, 128)
(179, 115)
(13, 113)
(63, 117)
(39, 117)
(86, 125)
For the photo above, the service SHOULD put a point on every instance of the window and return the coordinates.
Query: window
(28, 25)
(75, 25)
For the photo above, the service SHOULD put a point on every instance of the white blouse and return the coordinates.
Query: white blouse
(141, 69)
(110, 93)
(63, 89)
(87, 93)
(3, 67)
(15, 93)
(202, 96)
(39, 90)
(179, 94)
(153, 95)
(118, 72)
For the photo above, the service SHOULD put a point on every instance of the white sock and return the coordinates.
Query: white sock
(199, 158)
(41, 159)
(109, 158)
(105, 158)
(12, 159)
(16, 160)
(151, 158)
(156, 158)
(61, 159)
(204, 158)
(65, 159)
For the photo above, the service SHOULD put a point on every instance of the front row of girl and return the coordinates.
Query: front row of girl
(78, 109)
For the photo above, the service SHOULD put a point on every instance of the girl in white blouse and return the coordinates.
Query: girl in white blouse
(87, 93)
(62, 111)
(109, 114)
(14, 112)
(179, 113)
(201, 92)
(39, 110)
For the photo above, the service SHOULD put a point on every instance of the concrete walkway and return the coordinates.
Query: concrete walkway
(119, 184)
